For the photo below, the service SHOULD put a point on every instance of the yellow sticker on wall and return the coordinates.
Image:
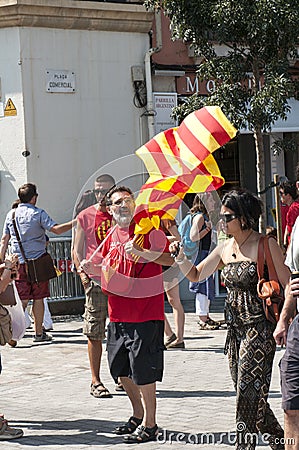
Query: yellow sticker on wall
(10, 109)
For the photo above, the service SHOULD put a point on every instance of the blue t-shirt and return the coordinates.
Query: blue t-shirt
(32, 224)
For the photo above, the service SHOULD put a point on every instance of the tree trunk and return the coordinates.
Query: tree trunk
(260, 171)
(259, 149)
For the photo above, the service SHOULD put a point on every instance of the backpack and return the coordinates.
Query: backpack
(190, 248)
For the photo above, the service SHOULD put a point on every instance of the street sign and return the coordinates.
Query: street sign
(60, 81)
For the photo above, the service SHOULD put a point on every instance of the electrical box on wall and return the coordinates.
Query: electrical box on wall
(137, 73)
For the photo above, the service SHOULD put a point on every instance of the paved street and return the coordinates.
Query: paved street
(45, 390)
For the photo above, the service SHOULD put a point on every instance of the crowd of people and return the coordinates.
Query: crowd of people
(125, 277)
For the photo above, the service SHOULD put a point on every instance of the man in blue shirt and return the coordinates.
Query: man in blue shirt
(32, 224)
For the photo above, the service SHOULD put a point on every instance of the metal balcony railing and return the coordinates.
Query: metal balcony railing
(67, 285)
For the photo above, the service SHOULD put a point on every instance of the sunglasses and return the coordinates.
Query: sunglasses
(227, 217)
(101, 191)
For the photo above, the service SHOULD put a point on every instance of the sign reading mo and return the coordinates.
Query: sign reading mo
(193, 85)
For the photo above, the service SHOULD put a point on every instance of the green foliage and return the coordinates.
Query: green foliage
(282, 145)
(252, 84)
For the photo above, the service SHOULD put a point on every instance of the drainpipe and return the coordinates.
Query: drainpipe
(150, 113)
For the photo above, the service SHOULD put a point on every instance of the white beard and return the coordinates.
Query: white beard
(122, 221)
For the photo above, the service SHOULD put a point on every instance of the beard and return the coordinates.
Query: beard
(123, 218)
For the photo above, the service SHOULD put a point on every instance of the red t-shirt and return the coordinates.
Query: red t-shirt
(291, 217)
(95, 225)
(284, 210)
(145, 300)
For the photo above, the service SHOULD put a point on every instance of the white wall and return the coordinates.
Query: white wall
(69, 136)
(12, 141)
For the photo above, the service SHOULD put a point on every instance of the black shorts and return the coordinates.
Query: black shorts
(289, 369)
(135, 350)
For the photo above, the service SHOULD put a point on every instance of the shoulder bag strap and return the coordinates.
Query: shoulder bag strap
(261, 258)
(18, 235)
(269, 261)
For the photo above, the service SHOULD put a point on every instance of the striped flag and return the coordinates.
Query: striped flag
(180, 161)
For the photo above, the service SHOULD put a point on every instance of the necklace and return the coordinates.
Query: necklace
(234, 255)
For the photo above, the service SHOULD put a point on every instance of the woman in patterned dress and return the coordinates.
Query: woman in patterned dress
(250, 344)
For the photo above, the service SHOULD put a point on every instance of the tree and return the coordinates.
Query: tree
(252, 81)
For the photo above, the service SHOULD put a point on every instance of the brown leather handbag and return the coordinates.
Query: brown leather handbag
(269, 291)
(40, 269)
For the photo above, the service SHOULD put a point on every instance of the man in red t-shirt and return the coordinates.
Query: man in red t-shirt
(92, 226)
(132, 275)
(289, 196)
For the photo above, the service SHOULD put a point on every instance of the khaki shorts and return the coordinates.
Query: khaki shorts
(96, 312)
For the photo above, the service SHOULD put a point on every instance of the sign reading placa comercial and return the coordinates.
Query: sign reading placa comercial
(60, 81)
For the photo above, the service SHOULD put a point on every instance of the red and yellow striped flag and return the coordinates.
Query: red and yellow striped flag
(180, 161)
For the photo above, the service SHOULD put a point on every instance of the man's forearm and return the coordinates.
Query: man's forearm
(3, 246)
(164, 259)
(289, 307)
(63, 227)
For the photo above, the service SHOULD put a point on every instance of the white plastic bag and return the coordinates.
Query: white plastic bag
(17, 317)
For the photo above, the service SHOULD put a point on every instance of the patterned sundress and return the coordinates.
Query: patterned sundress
(250, 347)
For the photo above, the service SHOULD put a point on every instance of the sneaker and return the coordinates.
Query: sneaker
(45, 337)
(7, 432)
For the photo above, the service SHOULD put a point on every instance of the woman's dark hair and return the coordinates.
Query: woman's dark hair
(16, 203)
(245, 205)
(88, 198)
(198, 205)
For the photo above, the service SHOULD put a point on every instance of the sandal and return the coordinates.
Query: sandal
(207, 325)
(128, 427)
(119, 387)
(99, 393)
(170, 339)
(142, 434)
(7, 433)
(176, 345)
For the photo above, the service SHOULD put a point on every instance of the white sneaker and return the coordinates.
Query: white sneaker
(43, 337)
